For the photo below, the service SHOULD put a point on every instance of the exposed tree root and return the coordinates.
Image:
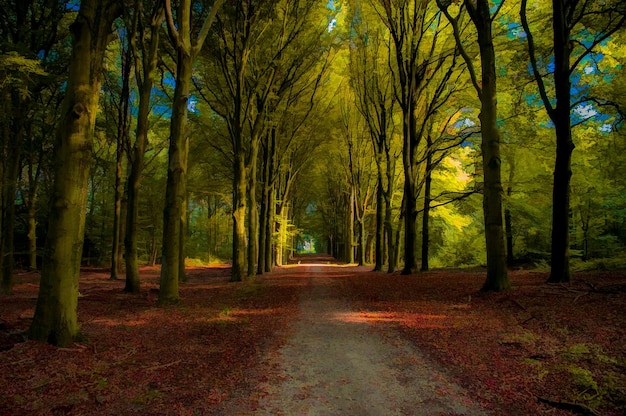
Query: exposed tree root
(576, 408)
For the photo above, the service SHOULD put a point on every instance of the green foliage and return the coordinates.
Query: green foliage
(20, 72)
(584, 383)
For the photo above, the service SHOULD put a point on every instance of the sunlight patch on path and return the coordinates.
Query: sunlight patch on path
(337, 364)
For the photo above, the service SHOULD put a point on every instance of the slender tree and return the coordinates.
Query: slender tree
(603, 19)
(144, 42)
(186, 52)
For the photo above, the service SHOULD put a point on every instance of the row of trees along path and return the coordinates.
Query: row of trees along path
(406, 54)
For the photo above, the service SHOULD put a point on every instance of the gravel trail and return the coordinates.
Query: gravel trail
(337, 364)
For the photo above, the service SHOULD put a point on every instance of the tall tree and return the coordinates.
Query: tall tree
(144, 41)
(55, 319)
(29, 31)
(187, 50)
(479, 11)
(416, 31)
(122, 105)
(374, 99)
(599, 21)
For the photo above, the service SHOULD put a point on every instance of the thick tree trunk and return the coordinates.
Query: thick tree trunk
(560, 270)
(497, 276)
(55, 317)
(176, 183)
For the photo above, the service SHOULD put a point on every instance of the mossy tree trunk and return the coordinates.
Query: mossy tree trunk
(55, 319)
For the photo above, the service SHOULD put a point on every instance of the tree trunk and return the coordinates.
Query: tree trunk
(253, 212)
(117, 217)
(410, 203)
(508, 222)
(13, 139)
(361, 244)
(264, 227)
(560, 270)
(122, 141)
(149, 64)
(55, 319)
(410, 225)
(184, 223)
(380, 225)
(497, 277)
(426, 210)
(349, 234)
(32, 236)
(239, 219)
(263, 220)
(9, 191)
(270, 226)
(176, 183)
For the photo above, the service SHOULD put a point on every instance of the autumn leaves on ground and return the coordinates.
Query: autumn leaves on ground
(559, 343)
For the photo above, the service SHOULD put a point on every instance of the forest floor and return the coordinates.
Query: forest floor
(325, 339)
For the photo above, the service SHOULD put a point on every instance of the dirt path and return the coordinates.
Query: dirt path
(336, 364)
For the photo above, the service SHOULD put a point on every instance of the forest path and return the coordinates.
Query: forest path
(336, 363)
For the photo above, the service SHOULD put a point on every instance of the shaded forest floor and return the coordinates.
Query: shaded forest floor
(562, 343)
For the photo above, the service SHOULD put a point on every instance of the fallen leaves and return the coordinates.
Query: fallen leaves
(139, 358)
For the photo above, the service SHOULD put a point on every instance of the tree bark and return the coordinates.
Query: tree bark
(426, 210)
(239, 219)
(380, 225)
(253, 212)
(176, 187)
(148, 64)
(497, 275)
(55, 319)
(559, 268)
(508, 221)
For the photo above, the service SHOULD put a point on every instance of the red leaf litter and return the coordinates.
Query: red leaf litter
(138, 358)
(564, 344)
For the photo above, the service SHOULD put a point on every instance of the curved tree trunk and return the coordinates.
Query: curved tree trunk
(55, 317)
